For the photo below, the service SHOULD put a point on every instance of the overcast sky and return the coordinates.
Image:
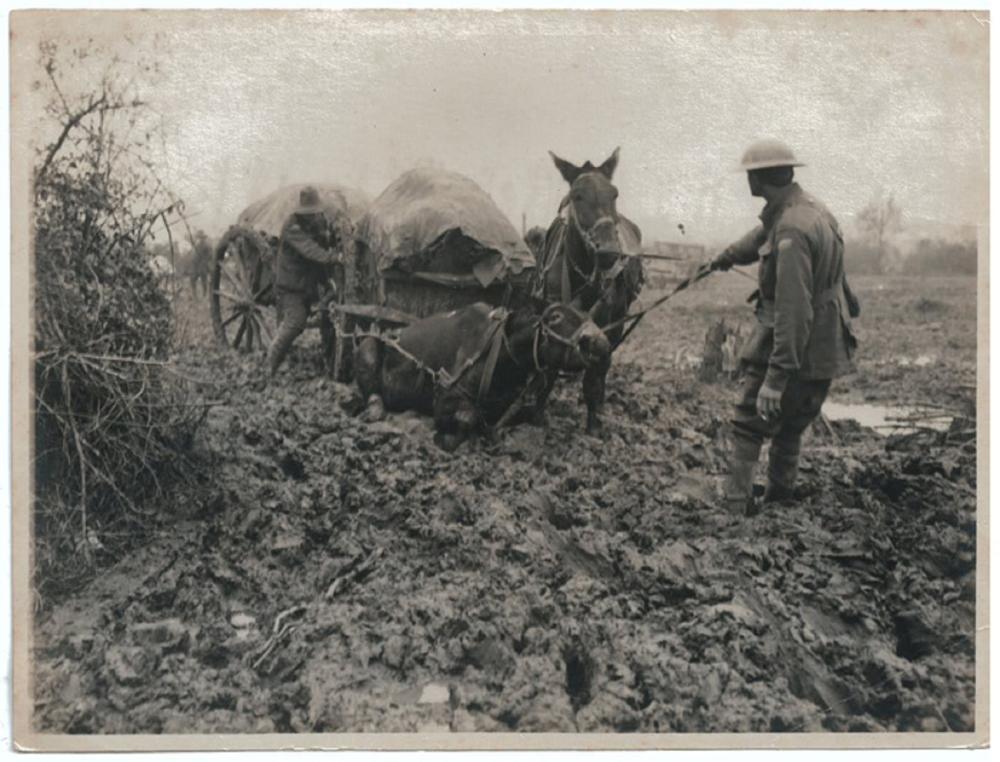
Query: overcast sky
(872, 102)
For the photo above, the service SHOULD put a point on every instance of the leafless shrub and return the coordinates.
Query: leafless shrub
(112, 421)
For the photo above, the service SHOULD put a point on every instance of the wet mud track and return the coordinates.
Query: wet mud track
(334, 575)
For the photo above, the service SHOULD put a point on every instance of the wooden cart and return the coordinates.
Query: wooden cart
(243, 303)
(432, 242)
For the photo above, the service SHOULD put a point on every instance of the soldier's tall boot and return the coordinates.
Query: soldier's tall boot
(738, 487)
(782, 470)
(294, 313)
(276, 354)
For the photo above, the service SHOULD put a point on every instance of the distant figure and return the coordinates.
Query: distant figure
(196, 263)
(803, 337)
(201, 263)
(305, 252)
(535, 238)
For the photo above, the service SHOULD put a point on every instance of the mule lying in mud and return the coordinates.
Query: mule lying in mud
(467, 367)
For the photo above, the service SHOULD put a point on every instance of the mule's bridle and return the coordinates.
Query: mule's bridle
(542, 329)
(571, 344)
(587, 234)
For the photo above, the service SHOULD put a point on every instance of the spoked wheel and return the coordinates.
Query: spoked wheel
(241, 297)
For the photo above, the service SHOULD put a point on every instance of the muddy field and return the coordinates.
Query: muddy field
(330, 575)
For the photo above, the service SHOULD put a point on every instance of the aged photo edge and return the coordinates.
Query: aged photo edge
(23, 25)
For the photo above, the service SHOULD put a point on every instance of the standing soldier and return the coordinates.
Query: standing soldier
(803, 337)
(305, 252)
(201, 263)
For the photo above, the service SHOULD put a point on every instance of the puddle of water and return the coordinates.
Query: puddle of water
(887, 419)
(700, 487)
(433, 693)
(920, 362)
(242, 621)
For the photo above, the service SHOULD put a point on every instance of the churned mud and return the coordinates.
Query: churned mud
(333, 575)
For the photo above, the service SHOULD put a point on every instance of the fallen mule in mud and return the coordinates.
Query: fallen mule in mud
(469, 367)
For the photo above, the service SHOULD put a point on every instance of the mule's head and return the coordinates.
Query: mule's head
(561, 337)
(592, 204)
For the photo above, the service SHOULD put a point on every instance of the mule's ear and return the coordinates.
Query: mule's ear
(567, 169)
(608, 167)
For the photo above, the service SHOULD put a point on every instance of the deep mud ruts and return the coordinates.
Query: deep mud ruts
(332, 575)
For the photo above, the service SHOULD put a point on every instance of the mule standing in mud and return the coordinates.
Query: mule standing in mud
(469, 366)
(588, 262)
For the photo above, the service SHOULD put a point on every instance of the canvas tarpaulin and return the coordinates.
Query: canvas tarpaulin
(432, 221)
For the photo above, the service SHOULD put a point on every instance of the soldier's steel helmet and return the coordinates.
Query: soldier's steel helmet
(764, 154)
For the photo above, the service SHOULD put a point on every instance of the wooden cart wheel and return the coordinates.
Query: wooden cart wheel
(241, 295)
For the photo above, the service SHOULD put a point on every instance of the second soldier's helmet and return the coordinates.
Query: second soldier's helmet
(767, 153)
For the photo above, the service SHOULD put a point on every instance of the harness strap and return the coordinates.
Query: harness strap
(516, 405)
(490, 367)
(508, 347)
(617, 268)
(448, 380)
(564, 279)
(393, 344)
(534, 351)
(496, 339)
(442, 377)
(539, 329)
(550, 255)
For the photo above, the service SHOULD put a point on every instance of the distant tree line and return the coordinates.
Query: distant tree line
(876, 250)
(930, 256)
(943, 257)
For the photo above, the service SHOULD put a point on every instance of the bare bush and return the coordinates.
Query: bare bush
(111, 419)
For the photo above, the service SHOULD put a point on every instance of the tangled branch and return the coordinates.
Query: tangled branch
(114, 423)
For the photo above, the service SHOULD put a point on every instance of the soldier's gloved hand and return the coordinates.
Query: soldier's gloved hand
(721, 262)
(768, 403)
